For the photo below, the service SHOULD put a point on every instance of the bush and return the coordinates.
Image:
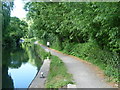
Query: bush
(56, 44)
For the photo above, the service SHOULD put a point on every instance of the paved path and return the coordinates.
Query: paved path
(83, 75)
(40, 82)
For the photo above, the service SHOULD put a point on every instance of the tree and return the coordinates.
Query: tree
(6, 9)
(17, 29)
(77, 22)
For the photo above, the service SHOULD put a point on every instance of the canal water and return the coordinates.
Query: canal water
(19, 66)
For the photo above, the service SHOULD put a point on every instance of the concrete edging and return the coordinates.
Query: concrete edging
(39, 82)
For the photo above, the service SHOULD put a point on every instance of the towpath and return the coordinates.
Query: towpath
(84, 74)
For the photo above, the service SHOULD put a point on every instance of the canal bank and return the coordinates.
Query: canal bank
(20, 65)
(39, 81)
(84, 74)
(54, 72)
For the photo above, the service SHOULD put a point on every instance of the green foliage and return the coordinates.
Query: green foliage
(56, 43)
(106, 26)
(58, 75)
(12, 27)
(17, 27)
(14, 31)
(91, 52)
(67, 47)
(6, 9)
(90, 30)
(43, 54)
(77, 22)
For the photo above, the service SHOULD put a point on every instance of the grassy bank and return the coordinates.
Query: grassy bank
(43, 54)
(38, 50)
(58, 76)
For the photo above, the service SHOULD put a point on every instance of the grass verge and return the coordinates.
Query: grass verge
(43, 54)
(58, 76)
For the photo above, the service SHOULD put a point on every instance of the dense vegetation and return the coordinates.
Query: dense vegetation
(6, 8)
(12, 27)
(43, 54)
(89, 30)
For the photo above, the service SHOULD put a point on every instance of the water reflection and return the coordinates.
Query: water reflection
(5, 63)
(23, 76)
(19, 66)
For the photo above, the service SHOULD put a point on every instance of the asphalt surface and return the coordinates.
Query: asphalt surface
(83, 75)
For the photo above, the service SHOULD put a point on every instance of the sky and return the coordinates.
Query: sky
(18, 10)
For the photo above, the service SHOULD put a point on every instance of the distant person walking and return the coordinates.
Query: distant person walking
(48, 44)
